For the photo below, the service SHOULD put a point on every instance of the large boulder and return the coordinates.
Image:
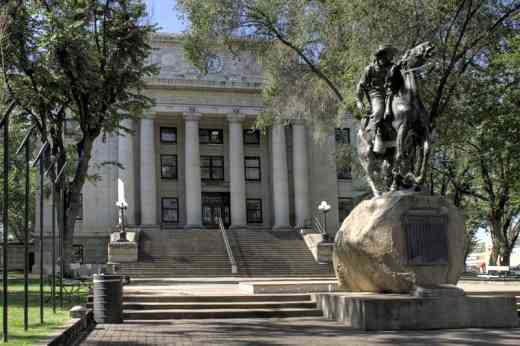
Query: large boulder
(398, 242)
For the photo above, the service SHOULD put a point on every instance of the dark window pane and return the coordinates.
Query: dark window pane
(252, 174)
(344, 173)
(342, 136)
(251, 137)
(254, 210)
(218, 173)
(205, 173)
(252, 162)
(170, 210)
(168, 134)
(218, 161)
(252, 167)
(211, 136)
(169, 166)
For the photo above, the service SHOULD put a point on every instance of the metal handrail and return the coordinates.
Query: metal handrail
(319, 227)
(232, 261)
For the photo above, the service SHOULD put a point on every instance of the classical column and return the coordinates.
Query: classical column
(148, 173)
(280, 178)
(126, 174)
(301, 173)
(236, 171)
(193, 182)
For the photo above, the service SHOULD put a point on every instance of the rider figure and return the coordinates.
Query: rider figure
(378, 84)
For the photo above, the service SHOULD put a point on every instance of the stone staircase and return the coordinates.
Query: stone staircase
(170, 307)
(202, 253)
(268, 253)
(179, 253)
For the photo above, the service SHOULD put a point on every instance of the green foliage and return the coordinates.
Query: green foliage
(18, 127)
(84, 60)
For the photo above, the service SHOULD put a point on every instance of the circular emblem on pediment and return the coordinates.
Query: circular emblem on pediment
(168, 60)
(215, 64)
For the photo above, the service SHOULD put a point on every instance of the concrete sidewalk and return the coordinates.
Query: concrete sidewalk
(283, 332)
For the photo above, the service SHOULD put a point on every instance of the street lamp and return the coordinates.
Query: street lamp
(325, 208)
(122, 205)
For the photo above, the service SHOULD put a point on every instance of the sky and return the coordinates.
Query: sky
(163, 13)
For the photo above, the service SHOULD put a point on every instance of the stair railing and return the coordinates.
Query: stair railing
(232, 261)
(319, 227)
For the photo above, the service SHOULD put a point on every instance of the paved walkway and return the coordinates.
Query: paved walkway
(283, 332)
(278, 332)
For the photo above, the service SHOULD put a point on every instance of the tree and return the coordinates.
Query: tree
(483, 136)
(83, 60)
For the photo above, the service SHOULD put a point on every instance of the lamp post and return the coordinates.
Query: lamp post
(122, 205)
(324, 207)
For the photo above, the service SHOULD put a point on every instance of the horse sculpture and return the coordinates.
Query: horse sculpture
(404, 162)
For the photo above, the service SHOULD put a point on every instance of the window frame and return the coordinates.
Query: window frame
(257, 158)
(256, 221)
(211, 167)
(344, 173)
(176, 175)
(163, 209)
(256, 136)
(220, 136)
(339, 135)
(163, 129)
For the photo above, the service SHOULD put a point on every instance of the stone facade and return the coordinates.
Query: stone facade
(198, 129)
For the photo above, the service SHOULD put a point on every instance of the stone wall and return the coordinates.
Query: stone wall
(15, 256)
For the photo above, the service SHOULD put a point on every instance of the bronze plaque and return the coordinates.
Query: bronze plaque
(426, 232)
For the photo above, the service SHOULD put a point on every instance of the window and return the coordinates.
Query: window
(251, 137)
(252, 167)
(345, 206)
(169, 166)
(212, 167)
(211, 136)
(169, 210)
(254, 210)
(80, 213)
(168, 135)
(71, 127)
(342, 136)
(344, 173)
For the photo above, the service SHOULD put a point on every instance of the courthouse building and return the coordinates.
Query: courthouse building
(195, 156)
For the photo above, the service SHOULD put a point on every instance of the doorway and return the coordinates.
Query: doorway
(215, 205)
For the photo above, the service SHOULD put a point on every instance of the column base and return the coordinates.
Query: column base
(283, 228)
(237, 226)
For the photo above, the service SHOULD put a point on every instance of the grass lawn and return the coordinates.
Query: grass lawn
(17, 335)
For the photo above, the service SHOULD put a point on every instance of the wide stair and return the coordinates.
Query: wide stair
(202, 253)
(186, 253)
(268, 253)
(164, 307)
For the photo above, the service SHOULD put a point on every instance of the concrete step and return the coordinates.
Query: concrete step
(219, 313)
(216, 305)
(156, 298)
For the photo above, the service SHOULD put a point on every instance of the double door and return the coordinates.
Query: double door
(215, 205)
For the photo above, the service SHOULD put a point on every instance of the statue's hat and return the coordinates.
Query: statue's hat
(386, 49)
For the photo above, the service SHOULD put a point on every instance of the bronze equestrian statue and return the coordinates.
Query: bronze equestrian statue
(394, 138)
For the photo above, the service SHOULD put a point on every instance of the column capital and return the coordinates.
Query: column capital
(235, 117)
(148, 116)
(192, 116)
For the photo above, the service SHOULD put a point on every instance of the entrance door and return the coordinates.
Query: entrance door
(215, 205)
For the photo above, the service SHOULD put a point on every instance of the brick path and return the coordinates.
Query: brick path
(282, 332)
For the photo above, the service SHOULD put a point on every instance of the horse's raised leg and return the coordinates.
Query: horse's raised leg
(399, 150)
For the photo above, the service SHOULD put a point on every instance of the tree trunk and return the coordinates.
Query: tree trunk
(73, 201)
